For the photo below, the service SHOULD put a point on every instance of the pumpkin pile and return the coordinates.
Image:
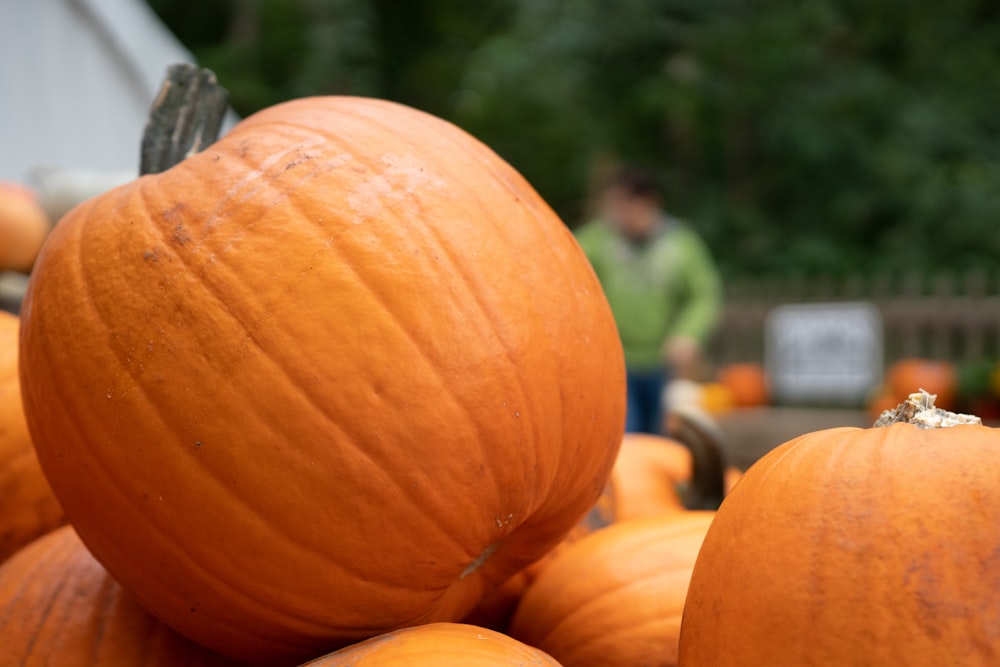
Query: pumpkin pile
(341, 389)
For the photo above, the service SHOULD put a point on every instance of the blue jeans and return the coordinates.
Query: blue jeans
(645, 405)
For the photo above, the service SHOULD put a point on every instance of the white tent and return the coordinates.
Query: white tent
(77, 78)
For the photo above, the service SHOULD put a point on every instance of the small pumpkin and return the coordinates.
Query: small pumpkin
(656, 474)
(747, 383)
(23, 227)
(340, 372)
(58, 606)
(856, 546)
(437, 644)
(616, 596)
(649, 475)
(29, 508)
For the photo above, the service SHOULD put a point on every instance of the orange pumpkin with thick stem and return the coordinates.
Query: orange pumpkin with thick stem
(28, 508)
(23, 227)
(342, 372)
(616, 596)
(855, 546)
(437, 644)
(58, 606)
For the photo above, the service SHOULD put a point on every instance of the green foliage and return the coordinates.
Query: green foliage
(809, 136)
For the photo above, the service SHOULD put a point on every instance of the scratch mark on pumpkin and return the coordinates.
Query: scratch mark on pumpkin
(480, 559)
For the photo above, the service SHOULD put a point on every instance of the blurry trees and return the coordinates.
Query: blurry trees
(816, 135)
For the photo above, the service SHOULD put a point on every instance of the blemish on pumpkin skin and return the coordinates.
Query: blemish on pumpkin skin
(480, 559)
(152, 255)
(180, 235)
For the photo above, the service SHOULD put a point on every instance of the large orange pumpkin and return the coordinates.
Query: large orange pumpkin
(616, 596)
(855, 547)
(438, 644)
(58, 606)
(23, 227)
(342, 372)
(28, 507)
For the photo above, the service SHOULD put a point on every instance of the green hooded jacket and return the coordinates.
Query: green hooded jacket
(664, 286)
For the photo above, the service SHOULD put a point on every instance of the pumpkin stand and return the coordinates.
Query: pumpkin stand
(338, 373)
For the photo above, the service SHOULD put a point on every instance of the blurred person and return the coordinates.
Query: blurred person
(661, 283)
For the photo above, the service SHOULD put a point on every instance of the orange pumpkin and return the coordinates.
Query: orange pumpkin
(438, 644)
(747, 383)
(854, 546)
(913, 374)
(29, 508)
(58, 606)
(23, 227)
(646, 476)
(341, 372)
(656, 474)
(616, 596)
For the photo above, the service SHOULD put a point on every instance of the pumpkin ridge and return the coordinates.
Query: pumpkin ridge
(38, 564)
(231, 589)
(375, 468)
(477, 286)
(446, 389)
(37, 630)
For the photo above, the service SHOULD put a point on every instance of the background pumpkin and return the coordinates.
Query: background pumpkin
(29, 508)
(747, 384)
(438, 644)
(23, 227)
(58, 606)
(854, 546)
(341, 372)
(615, 597)
(912, 374)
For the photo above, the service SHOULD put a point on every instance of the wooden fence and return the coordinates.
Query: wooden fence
(954, 317)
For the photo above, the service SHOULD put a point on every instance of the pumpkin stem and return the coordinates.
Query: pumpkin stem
(186, 117)
(918, 409)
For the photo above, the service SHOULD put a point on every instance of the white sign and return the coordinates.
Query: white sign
(824, 352)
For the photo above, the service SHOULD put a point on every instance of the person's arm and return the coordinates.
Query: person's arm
(700, 308)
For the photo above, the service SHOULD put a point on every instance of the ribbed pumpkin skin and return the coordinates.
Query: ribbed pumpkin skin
(58, 606)
(28, 507)
(342, 372)
(616, 596)
(438, 644)
(854, 547)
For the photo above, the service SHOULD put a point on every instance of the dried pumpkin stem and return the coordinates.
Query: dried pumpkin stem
(919, 409)
(186, 117)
